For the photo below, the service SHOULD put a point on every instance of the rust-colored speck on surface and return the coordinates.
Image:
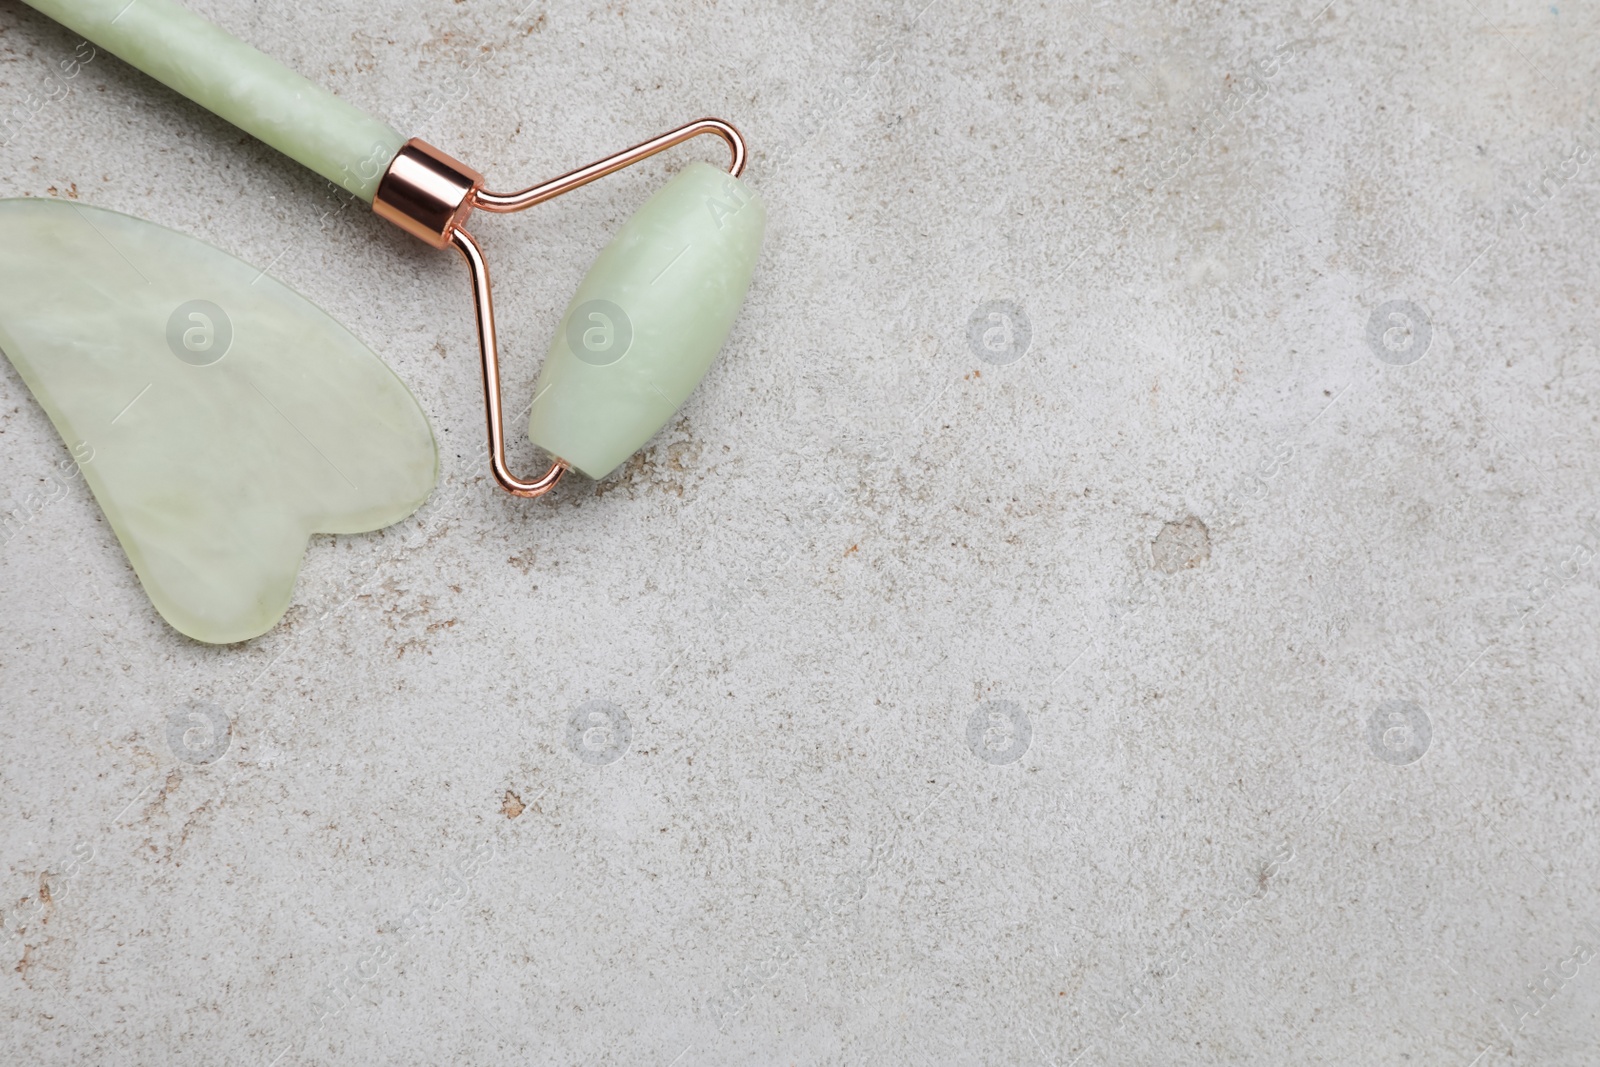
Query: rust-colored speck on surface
(511, 806)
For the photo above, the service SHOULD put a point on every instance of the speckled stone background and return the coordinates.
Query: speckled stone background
(1125, 595)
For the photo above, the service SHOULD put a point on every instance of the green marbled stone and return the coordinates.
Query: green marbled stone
(216, 437)
(234, 81)
(648, 319)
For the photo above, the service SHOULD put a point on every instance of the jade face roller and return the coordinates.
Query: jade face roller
(646, 321)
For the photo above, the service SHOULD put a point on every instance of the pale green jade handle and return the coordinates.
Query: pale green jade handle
(648, 320)
(234, 81)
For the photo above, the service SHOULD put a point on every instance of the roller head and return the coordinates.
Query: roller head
(648, 319)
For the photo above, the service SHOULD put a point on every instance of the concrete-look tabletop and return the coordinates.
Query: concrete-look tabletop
(1125, 594)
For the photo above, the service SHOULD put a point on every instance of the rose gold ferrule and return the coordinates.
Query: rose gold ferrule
(426, 192)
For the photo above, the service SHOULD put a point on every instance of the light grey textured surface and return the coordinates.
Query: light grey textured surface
(979, 709)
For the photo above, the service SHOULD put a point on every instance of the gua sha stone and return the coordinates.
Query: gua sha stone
(648, 320)
(225, 418)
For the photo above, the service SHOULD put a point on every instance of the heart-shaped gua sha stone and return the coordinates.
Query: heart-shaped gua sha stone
(220, 418)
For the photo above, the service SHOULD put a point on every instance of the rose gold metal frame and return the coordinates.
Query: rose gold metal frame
(430, 194)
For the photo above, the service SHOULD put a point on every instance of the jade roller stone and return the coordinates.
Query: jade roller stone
(648, 319)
